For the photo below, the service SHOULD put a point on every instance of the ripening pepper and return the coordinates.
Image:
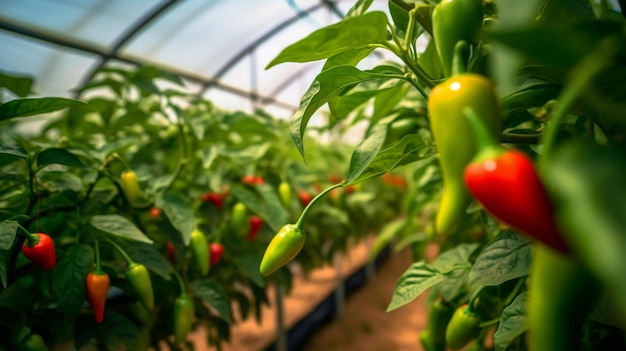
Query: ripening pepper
(457, 147)
(238, 216)
(304, 197)
(139, 279)
(183, 318)
(463, 327)
(200, 251)
(130, 186)
(255, 223)
(284, 246)
(39, 248)
(216, 252)
(170, 251)
(284, 191)
(562, 292)
(507, 185)
(97, 284)
(455, 20)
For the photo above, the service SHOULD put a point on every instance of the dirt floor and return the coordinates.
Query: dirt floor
(365, 326)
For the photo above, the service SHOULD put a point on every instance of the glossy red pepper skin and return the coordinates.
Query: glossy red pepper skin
(509, 187)
(256, 223)
(97, 291)
(304, 197)
(155, 212)
(41, 253)
(216, 251)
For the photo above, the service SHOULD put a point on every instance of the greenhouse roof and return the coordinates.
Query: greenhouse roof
(220, 48)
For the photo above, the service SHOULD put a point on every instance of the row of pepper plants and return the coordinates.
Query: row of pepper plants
(511, 119)
(138, 211)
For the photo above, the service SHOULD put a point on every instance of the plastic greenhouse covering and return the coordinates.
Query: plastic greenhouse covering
(219, 47)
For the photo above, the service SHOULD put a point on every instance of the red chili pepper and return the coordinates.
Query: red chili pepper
(98, 284)
(214, 198)
(507, 185)
(256, 223)
(171, 252)
(39, 248)
(217, 250)
(155, 212)
(252, 180)
(304, 197)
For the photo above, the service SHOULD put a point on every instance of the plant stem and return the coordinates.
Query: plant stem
(306, 210)
(98, 270)
(472, 300)
(181, 283)
(121, 251)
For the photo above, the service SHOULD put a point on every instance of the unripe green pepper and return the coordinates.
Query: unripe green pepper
(130, 186)
(455, 20)
(284, 246)
(463, 327)
(439, 314)
(183, 318)
(200, 251)
(32, 342)
(427, 342)
(139, 278)
(284, 191)
(455, 144)
(562, 293)
(238, 216)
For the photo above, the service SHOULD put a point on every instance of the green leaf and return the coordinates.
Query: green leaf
(506, 258)
(69, 278)
(459, 255)
(19, 85)
(213, 293)
(248, 262)
(4, 259)
(327, 85)
(178, 211)
(368, 161)
(587, 185)
(18, 152)
(149, 256)
(58, 156)
(351, 33)
(8, 230)
(119, 226)
(349, 57)
(513, 323)
(34, 106)
(418, 278)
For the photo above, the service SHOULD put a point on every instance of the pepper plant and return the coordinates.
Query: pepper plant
(138, 212)
(511, 207)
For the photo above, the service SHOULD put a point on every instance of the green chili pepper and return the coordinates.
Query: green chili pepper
(463, 327)
(32, 342)
(284, 246)
(284, 191)
(139, 278)
(130, 186)
(455, 20)
(238, 216)
(561, 295)
(455, 144)
(183, 318)
(439, 314)
(200, 251)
